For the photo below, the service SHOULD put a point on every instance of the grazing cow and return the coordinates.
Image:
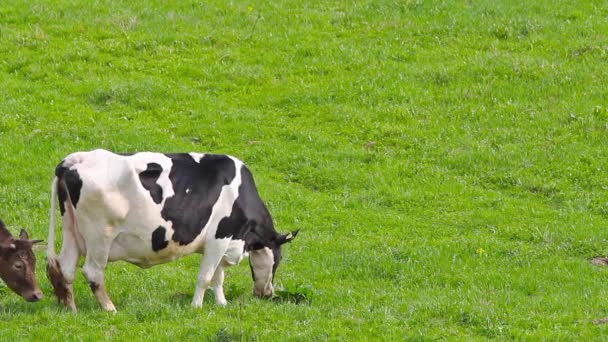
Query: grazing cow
(150, 208)
(18, 264)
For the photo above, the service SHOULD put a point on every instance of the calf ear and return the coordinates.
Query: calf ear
(5, 236)
(36, 246)
(6, 239)
(25, 237)
(281, 239)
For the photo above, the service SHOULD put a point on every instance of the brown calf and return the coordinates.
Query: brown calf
(18, 264)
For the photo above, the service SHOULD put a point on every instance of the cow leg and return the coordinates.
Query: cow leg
(61, 270)
(214, 252)
(218, 286)
(94, 270)
(68, 259)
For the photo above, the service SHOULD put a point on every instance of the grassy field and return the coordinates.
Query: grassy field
(445, 161)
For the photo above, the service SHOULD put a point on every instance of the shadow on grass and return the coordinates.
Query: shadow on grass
(232, 293)
(298, 294)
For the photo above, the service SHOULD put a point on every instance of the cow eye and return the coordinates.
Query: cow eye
(18, 266)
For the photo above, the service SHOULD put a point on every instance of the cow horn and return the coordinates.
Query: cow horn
(287, 237)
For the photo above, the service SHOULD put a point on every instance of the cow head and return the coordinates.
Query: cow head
(264, 258)
(18, 264)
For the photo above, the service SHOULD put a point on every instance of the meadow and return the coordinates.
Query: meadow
(445, 160)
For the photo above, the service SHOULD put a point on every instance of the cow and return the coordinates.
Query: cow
(150, 208)
(18, 264)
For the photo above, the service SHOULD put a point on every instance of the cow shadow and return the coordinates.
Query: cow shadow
(232, 293)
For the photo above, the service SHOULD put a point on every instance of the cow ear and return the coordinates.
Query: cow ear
(23, 235)
(281, 239)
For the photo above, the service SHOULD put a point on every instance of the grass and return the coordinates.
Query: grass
(445, 161)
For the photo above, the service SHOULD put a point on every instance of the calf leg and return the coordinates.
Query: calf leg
(214, 252)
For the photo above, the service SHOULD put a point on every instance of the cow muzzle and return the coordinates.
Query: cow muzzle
(33, 296)
(265, 292)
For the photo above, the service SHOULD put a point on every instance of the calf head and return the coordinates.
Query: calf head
(18, 264)
(264, 258)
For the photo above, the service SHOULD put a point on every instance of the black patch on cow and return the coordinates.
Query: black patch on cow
(251, 268)
(197, 187)
(158, 239)
(94, 286)
(233, 226)
(71, 180)
(62, 195)
(148, 180)
(250, 219)
(276, 252)
(249, 215)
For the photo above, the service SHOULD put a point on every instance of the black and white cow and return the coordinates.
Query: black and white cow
(150, 208)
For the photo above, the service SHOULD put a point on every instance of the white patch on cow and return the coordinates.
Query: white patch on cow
(139, 163)
(197, 156)
(133, 230)
(234, 254)
(262, 261)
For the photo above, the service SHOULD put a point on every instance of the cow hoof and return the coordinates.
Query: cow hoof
(109, 307)
(221, 302)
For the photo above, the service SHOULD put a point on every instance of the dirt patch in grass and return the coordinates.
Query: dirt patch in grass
(600, 261)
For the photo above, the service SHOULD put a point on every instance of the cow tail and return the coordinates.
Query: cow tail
(50, 253)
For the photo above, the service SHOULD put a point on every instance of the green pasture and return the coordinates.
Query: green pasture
(446, 161)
